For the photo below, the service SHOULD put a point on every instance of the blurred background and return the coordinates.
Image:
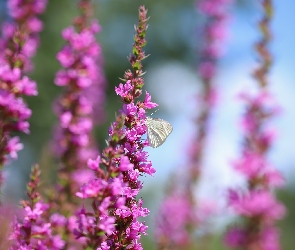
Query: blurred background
(172, 80)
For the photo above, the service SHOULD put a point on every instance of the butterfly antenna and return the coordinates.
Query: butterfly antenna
(155, 111)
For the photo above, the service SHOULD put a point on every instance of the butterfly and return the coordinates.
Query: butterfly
(158, 131)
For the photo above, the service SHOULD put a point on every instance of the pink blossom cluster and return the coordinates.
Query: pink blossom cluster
(18, 44)
(110, 196)
(25, 29)
(82, 103)
(115, 208)
(213, 28)
(33, 231)
(257, 204)
(113, 222)
(83, 82)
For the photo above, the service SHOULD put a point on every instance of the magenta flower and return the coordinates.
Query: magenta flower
(83, 82)
(179, 234)
(82, 74)
(33, 232)
(255, 166)
(18, 44)
(113, 222)
(257, 205)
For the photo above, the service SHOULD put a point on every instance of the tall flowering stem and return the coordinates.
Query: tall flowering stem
(113, 221)
(81, 77)
(258, 206)
(32, 232)
(180, 202)
(18, 45)
(79, 107)
(214, 31)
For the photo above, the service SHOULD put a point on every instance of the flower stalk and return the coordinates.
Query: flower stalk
(78, 109)
(33, 231)
(258, 206)
(113, 221)
(180, 199)
(19, 42)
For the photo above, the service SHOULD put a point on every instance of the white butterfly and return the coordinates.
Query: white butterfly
(158, 131)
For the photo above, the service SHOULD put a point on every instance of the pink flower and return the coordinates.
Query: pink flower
(14, 146)
(78, 109)
(92, 189)
(58, 219)
(123, 89)
(147, 102)
(258, 203)
(107, 225)
(35, 24)
(116, 183)
(125, 164)
(274, 178)
(33, 231)
(62, 78)
(130, 109)
(94, 164)
(270, 239)
(26, 86)
(82, 176)
(66, 57)
(81, 41)
(19, 41)
(251, 164)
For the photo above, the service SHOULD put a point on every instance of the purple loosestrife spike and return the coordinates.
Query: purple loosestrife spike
(33, 231)
(258, 206)
(179, 215)
(18, 44)
(113, 221)
(78, 108)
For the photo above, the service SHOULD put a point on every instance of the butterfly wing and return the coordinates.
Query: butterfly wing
(158, 131)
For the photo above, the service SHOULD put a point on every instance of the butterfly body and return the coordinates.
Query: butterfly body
(158, 131)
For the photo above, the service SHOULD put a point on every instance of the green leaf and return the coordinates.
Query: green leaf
(139, 86)
(135, 51)
(115, 138)
(136, 65)
(100, 233)
(113, 175)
